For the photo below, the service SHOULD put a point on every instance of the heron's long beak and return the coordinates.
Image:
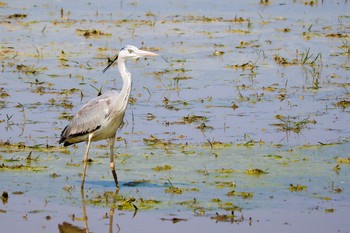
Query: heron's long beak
(143, 53)
(109, 65)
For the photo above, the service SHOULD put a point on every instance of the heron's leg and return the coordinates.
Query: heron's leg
(86, 159)
(111, 215)
(111, 160)
(85, 218)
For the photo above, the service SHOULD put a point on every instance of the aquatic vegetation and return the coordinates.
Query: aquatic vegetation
(229, 206)
(156, 142)
(244, 195)
(4, 197)
(218, 53)
(292, 124)
(265, 2)
(3, 93)
(224, 217)
(122, 202)
(169, 71)
(329, 210)
(91, 33)
(244, 45)
(310, 2)
(237, 107)
(306, 58)
(173, 190)
(345, 47)
(232, 218)
(297, 187)
(216, 144)
(283, 61)
(193, 118)
(255, 171)
(238, 31)
(224, 184)
(285, 30)
(337, 35)
(343, 161)
(54, 175)
(174, 220)
(17, 16)
(310, 59)
(22, 167)
(225, 171)
(249, 65)
(343, 104)
(204, 127)
(30, 70)
(21, 147)
(189, 203)
(162, 168)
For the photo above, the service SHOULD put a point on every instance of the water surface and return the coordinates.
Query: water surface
(240, 88)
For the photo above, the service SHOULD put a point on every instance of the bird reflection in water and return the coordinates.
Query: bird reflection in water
(66, 227)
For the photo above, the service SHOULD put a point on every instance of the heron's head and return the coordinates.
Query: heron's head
(130, 52)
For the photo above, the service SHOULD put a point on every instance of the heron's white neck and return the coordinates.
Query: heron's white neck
(127, 81)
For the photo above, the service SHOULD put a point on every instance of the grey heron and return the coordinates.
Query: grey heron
(101, 117)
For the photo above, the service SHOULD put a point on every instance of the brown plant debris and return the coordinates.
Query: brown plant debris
(255, 171)
(343, 104)
(91, 33)
(174, 220)
(297, 187)
(244, 195)
(343, 160)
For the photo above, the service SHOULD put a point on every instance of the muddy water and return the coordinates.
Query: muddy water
(247, 111)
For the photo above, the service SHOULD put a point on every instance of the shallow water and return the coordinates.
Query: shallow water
(238, 86)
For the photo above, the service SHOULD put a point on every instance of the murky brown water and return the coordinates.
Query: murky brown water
(247, 110)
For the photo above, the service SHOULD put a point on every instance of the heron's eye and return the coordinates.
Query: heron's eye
(130, 51)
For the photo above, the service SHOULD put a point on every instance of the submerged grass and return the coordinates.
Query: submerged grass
(9, 147)
(292, 124)
(122, 202)
(22, 167)
(306, 58)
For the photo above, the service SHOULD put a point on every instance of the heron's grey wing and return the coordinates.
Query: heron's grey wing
(91, 116)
